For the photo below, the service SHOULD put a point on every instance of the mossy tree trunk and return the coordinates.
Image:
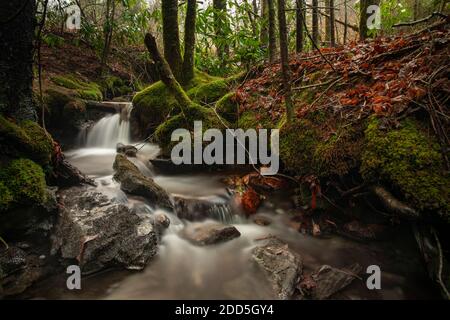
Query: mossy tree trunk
(299, 26)
(189, 41)
(165, 71)
(272, 32)
(17, 23)
(285, 59)
(171, 36)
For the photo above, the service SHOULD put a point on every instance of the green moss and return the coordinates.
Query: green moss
(209, 93)
(227, 107)
(186, 120)
(25, 181)
(154, 104)
(84, 90)
(6, 197)
(297, 145)
(25, 139)
(410, 161)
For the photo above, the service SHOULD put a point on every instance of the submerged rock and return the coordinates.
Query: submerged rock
(128, 150)
(326, 281)
(192, 209)
(281, 265)
(134, 182)
(19, 270)
(209, 233)
(98, 232)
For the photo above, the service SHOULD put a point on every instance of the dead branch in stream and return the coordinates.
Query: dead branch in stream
(393, 205)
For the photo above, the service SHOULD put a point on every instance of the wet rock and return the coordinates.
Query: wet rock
(132, 181)
(281, 265)
(162, 220)
(128, 150)
(261, 220)
(18, 271)
(326, 281)
(192, 209)
(98, 232)
(359, 231)
(209, 233)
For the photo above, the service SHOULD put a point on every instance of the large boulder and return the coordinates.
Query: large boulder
(209, 233)
(132, 181)
(281, 265)
(99, 232)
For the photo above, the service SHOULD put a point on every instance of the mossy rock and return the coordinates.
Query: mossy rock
(24, 181)
(25, 139)
(210, 92)
(186, 120)
(297, 145)
(154, 104)
(227, 107)
(6, 198)
(410, 161)
(84, 90)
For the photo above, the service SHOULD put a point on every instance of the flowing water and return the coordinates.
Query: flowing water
(182, 270)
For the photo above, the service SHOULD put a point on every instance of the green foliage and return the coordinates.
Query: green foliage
(52, 40)
(25, 181)
(409, 160)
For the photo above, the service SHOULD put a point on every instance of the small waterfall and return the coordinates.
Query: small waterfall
(111, 130)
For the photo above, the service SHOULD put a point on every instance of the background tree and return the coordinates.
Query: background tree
(299, 26)
(17, 23)
(220, 17)
(108, 30)
(171, 36)
(189, 41)
(331, 22)
(284, 55)
(315, 21)
(272, 32)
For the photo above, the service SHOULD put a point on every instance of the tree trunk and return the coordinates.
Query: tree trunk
(264, 35)
(363, 29)
(165, 71)
(285, 60)
(315, 21)
(220, 11)
(299, 26)
(272, 32)
(171, 36)
(345, 22)
(17, 23)
(189, 41)
(110, 13)
(332, 29)
(327, 21)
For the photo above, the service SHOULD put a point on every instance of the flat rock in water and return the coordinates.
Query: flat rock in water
(132, 181)
(328, 280)
(99, 232)
(281, 265)
(193, 209)
(209, 233)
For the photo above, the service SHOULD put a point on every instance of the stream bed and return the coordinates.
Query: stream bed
(182, 270)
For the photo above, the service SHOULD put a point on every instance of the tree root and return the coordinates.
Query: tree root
(394, 205)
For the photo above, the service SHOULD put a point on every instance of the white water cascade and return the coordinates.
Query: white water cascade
(111, 130)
